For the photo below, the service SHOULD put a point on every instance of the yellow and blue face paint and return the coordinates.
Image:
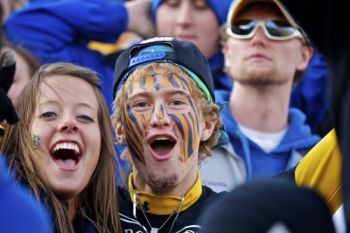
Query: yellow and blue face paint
(185, 122)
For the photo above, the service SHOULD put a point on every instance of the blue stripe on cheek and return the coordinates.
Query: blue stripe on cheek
(193, 106)
(134, 149)
(132, 117)
(132, 136)
(194, 123)
(196, 114)
(187, 140)
(190, 136)
(178, 123)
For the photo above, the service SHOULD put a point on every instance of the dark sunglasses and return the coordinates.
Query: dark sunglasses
(273, 29)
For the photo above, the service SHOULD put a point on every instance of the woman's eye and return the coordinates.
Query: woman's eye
(48, 115)
(86, 118)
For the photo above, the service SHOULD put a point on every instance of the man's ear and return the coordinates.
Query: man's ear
(306, 54)
(224, 50)
(208, 129)
(119, 133)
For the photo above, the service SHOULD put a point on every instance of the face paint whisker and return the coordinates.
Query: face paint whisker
(195, 124)
(134, 132)
(142, 84)
(194, 107)
(133, 118)
(172, 81)
(161, 111)
(180, 126)
(134, 150)
(184, 83)
(189, 135)
(156, 83)
(131, 137)
(143, 121)
(131, 88)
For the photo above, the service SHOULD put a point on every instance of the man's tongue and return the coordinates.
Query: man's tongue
(66, 163)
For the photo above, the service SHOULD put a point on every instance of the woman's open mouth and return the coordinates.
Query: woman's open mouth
(66, 155)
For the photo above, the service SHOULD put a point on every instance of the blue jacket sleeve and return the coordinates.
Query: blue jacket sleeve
(60, 30)
(20, 211)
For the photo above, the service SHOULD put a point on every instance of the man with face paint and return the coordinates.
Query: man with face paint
(164, 113)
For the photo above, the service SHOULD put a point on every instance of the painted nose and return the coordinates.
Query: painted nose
(160, 117)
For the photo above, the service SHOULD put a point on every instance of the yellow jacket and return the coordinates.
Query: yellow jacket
(320, 169)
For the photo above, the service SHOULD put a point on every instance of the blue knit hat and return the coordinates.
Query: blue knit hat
(220, 7)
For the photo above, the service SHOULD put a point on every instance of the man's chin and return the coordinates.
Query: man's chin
(163, 182)
(259, 78)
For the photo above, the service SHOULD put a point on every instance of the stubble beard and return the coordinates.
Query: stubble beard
(258, 78)
(164, 182)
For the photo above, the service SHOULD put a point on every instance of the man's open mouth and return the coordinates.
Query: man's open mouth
(162, 145)
(66, 154)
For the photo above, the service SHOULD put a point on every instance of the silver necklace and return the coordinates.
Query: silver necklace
(155, 229)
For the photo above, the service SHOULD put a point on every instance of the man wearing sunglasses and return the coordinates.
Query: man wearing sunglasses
(265, 54)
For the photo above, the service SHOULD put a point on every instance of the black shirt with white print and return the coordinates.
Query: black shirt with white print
(185, 221)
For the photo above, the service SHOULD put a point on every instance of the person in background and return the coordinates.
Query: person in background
(265, 53)
(62, 149)
(19, 212)
(165, 113)
(75, 39)
(26, 66)
(64, 34)
(200, 21)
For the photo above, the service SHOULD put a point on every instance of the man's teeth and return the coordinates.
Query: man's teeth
(163, 138)
(67, 146)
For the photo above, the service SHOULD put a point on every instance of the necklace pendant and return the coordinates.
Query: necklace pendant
(154, 230)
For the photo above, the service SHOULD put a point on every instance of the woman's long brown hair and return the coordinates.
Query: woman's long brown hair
(100, 195)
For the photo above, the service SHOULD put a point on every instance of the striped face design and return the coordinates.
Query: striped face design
(163, 103)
